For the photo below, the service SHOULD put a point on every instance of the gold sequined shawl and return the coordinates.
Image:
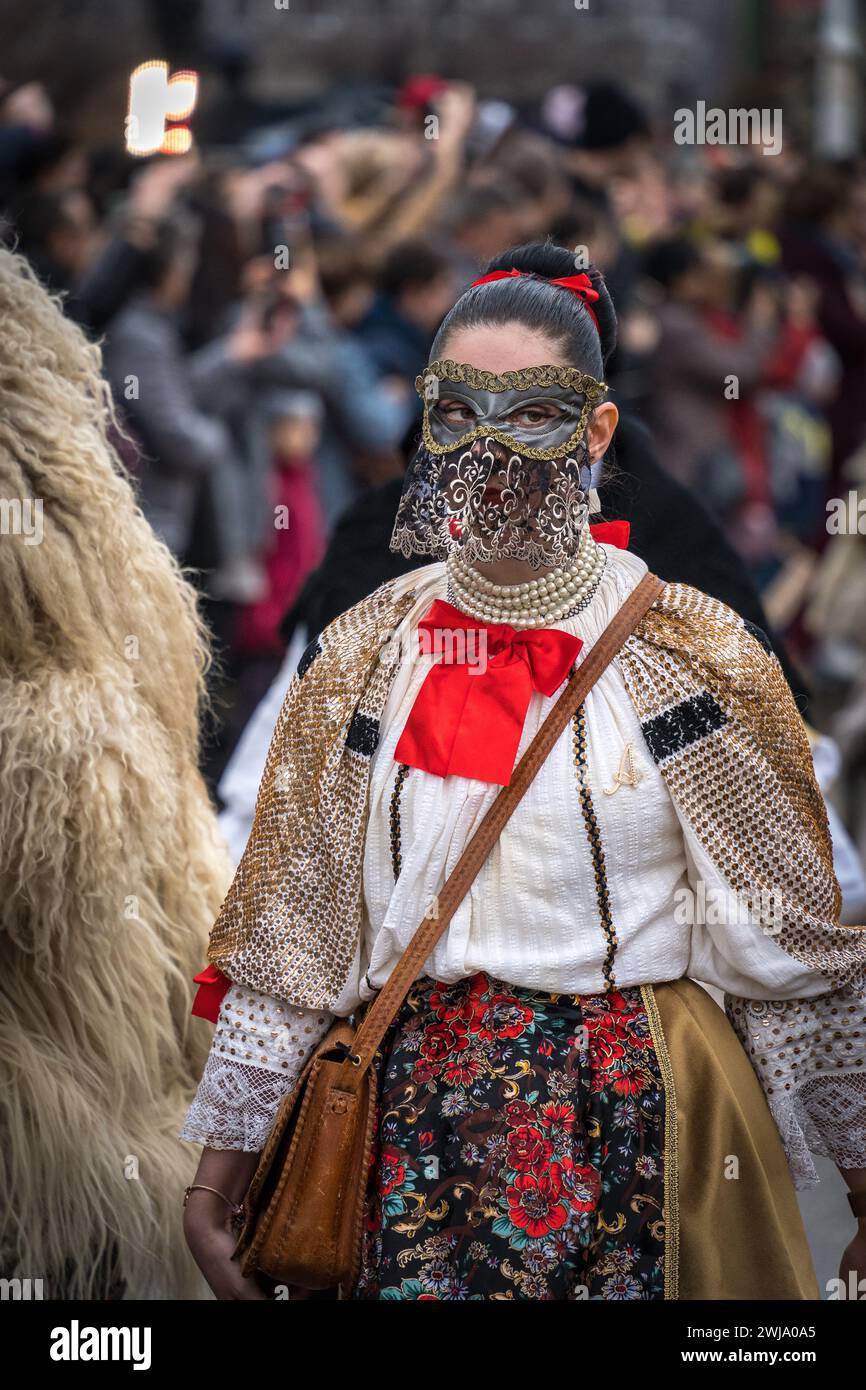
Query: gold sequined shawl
(720, 720)
(717, 716)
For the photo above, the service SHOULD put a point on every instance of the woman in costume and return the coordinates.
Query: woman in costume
(111, 867)
(564, 1112)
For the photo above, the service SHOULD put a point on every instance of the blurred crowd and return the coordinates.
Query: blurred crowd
(266, 301)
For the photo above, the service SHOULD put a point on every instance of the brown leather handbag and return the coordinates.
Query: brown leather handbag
(304, 1208)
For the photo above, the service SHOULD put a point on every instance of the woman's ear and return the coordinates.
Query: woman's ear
(599, 432)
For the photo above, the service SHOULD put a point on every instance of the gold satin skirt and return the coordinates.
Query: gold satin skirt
(733, 1226)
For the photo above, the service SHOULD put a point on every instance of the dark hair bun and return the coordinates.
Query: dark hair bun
(552, 262)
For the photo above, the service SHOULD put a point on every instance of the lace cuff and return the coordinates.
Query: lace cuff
(258, 1051)
(810, 1057)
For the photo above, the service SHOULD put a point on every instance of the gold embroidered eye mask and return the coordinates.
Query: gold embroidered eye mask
(540, 412)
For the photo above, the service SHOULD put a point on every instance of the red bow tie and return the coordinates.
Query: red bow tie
(468, 715)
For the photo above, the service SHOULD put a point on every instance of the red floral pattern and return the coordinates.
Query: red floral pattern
(520, 1148)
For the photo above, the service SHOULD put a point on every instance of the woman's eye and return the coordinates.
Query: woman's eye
(534, 416)
(455, 413)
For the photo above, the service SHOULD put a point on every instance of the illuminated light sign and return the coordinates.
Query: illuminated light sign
(178, 139)
(154, 99)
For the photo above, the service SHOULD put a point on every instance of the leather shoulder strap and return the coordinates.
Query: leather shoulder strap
(459, 881)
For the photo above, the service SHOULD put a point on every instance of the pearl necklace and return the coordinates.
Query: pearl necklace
(536, 603)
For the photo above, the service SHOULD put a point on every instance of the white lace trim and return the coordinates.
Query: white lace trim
(258, 1051)
(235, 1106)
(810, 1057)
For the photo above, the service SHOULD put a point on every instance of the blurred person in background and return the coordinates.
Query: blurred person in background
(605, 135)
(711, 358)
(478, 219)
(34, 154)
(688, 373)
(534, 165)
(822, 237)
(189, 466)
(416, 98)
(365, 414)
(59, 233)
(347, 280)
(745, 206)
(26, 116)
(591, 230)
(416, 285)
(98, 266)
(384, 186)
(289, 424)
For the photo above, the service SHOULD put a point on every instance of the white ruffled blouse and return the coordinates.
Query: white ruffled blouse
(596, 881)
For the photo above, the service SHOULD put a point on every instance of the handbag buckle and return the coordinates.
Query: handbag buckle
(347, 1053)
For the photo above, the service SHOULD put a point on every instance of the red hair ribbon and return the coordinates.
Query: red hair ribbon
(581, 285)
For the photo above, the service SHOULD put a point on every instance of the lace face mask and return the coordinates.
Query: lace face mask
(502, 470)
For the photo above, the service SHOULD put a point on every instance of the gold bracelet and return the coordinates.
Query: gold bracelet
(237, 1207)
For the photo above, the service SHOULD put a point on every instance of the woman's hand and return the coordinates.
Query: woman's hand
(212, 1238)
(208, 1221)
